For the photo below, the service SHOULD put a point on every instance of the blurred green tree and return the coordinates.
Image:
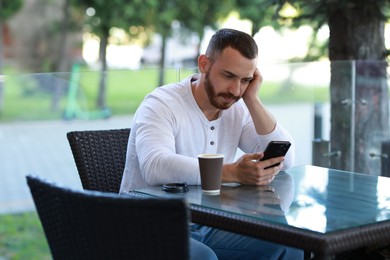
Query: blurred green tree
(196, 16)
(160, 16)
(358, 84)
(193, 16)
(102, 17)
(259, 12)
(7, 9)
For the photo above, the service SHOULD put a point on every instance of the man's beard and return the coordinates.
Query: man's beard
(210, 90)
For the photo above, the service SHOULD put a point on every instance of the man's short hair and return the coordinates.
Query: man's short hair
(238, 40)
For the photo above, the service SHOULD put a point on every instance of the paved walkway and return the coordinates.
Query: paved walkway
(40, 148)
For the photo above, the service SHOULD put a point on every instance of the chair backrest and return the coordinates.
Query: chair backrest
(100, 157)
(97, 225)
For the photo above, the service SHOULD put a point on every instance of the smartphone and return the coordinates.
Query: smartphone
(275, 149)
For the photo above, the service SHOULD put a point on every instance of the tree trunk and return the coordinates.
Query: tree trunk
(1, 64)
(62, 56)
(199, 45)
(162, 60)
(255, 28)
(101, 101)
(359, 92)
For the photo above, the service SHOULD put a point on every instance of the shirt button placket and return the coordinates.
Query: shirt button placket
(213, 137)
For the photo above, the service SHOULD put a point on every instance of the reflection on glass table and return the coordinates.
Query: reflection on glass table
(307, 197)
(328, 200)
(321, 210)
(267, 202)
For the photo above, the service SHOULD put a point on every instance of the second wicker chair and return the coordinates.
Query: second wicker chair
(100, 157)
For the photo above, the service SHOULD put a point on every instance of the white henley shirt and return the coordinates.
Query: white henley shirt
(169, 130)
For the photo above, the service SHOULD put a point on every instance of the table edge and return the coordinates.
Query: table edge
(330, 243)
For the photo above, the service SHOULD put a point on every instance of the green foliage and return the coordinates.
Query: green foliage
(161, 14)
(316, 12)
(113, 13)
(8, 8)
(295, 13)
(259, 12)
(196, 16)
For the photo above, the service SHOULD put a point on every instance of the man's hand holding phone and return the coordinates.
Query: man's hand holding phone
(250, 169)
(275, 149)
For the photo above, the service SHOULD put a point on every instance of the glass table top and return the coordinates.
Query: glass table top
(307, 197)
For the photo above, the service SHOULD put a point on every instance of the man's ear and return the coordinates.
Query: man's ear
(203, 63)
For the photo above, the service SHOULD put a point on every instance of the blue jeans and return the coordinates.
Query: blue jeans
(199, 251)
(227, 245)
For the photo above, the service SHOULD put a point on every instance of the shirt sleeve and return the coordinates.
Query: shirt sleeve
(251, 142)
(156, 147)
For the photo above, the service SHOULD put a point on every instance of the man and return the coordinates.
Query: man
(215, 111)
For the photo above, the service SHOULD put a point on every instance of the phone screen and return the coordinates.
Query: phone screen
(275, 149)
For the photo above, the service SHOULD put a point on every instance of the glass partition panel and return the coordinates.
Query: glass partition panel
(337, 113)
(359, 138)
(296, 93)
(75, 95)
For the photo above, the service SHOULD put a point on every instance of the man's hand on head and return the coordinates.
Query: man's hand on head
(253, 87)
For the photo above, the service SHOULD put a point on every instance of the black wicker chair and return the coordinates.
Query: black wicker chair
(96, 225)
(100, 157)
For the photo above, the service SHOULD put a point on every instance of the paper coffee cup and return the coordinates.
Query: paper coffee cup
(210, 167)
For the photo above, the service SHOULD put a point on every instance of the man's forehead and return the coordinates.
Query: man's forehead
(247, 75)
(234, 63)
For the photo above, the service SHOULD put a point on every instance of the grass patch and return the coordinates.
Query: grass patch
(277, 93)
(22, 237)
(31, 96)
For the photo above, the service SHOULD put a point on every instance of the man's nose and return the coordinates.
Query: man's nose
(235, 88)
